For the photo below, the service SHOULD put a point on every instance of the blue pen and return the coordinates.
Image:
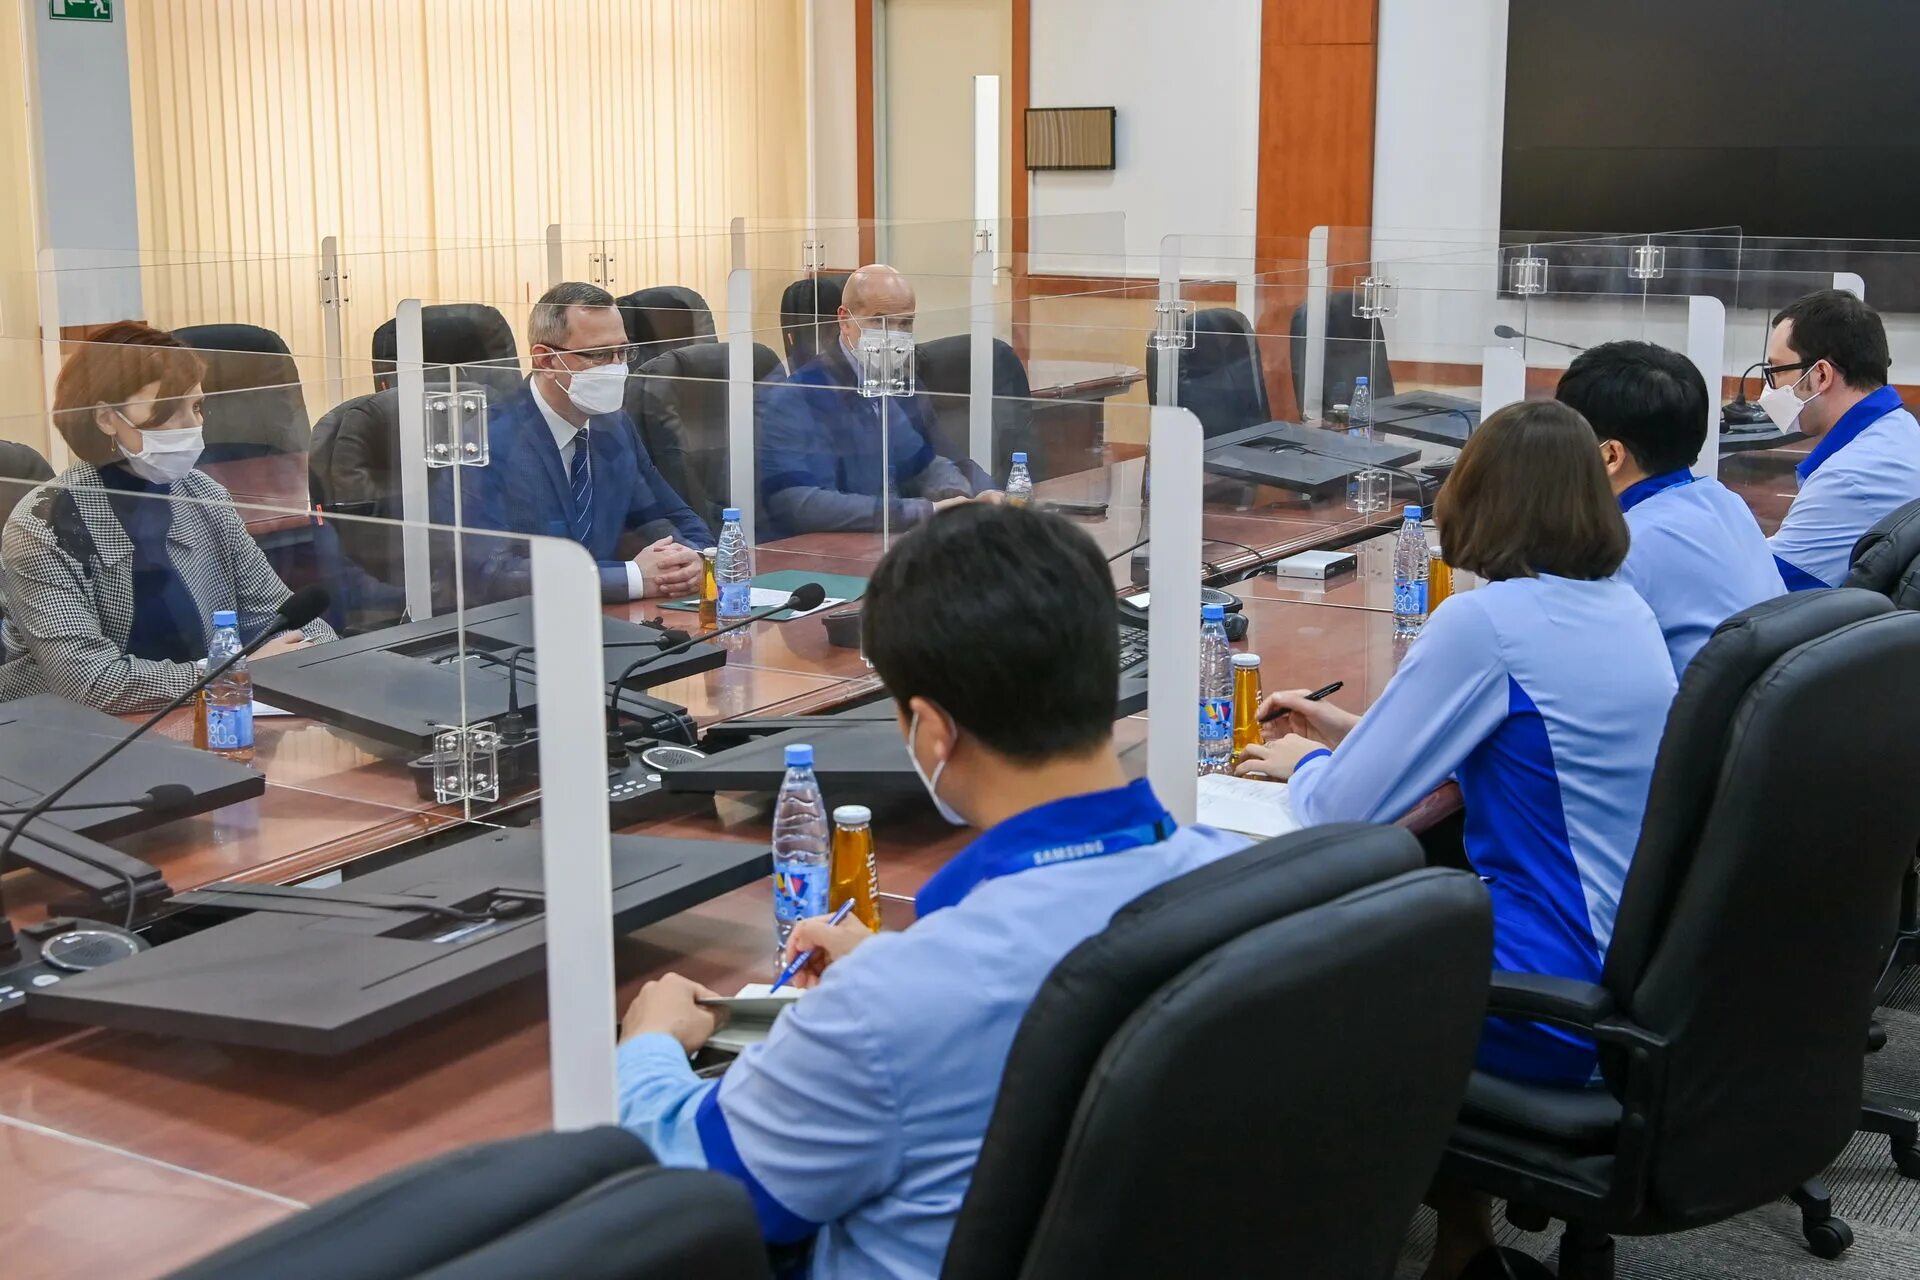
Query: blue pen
(799, 962)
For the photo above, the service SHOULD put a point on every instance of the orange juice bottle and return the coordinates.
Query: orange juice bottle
(1246, 702)
(1439, 579)
(855, 874)
(709, 591)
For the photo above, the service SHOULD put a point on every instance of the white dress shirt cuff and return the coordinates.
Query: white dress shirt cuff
(636, 585)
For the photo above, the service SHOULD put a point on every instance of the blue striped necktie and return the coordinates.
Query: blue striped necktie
(581, 476)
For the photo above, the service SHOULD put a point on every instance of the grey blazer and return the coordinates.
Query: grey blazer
(67, 565)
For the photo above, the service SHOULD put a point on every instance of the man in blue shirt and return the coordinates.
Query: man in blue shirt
(860, 1119)
(1826, 372)
(1697, 555)
(822, 465)
(566, 461)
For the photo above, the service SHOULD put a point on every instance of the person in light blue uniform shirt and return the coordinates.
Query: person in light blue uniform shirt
(1696, 556)
(859, 1121)
(1826, 375)
(1544, 693)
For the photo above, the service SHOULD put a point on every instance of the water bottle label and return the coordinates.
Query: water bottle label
(800, 891)
(230, 728)
(1216, 719)
(1410, 598)
(736, 598)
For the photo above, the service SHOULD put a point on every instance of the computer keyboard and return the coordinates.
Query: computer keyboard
(1133, 648)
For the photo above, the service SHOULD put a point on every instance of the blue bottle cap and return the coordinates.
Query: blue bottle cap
(1360, 381)
(800, 756)
(1213, 613)
(225, 618)
(1413, 513)
(731, 513)
(1019, 459)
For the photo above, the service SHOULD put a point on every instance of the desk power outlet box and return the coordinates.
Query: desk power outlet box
(1314, 566)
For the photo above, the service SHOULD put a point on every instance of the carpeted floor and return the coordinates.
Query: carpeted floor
(1882, 1207)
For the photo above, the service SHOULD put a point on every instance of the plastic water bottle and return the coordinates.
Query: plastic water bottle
(1367, 489)
(733, 569)
(1019, 482)
(1216, 691)
(802, 854)
(228, 702)
(1410, 568)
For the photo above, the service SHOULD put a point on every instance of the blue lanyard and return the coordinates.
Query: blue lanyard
(984, 860)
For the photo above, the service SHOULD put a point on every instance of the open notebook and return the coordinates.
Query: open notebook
(1247, 805)
(751, 1013)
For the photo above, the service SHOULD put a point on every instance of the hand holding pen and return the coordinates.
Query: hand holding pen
(818, 942)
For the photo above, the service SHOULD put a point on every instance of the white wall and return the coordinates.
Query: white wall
(1185, 77)
(88, 210)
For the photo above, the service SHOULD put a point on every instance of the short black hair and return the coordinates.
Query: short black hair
(1004, 616)
(1652, 400)
(1835, 326)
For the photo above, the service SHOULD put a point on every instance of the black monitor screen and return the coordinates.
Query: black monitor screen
(1661, 115)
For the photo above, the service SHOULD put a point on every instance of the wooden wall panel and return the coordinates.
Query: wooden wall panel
(1316, 148)
(864, 140)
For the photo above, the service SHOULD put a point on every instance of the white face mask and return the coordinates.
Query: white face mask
(165, 456)
(1782, 406)
(599, 390)
(932, 784)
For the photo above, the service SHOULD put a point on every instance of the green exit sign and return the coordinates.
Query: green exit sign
(81, 10)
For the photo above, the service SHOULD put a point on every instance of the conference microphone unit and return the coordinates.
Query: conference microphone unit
(805, 598)
(1508, 331)
(60, 946)
(299, 609)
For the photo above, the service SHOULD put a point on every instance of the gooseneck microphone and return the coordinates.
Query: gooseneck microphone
(300, 608)
(1508, 331)
(806, 597)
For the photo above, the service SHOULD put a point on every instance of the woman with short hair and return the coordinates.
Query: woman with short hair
(115, 568)
(1544, 693)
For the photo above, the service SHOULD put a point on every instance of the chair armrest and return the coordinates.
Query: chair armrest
(1564, 1002)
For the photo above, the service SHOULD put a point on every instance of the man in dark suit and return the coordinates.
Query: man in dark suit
(820, 449)
(567, 462)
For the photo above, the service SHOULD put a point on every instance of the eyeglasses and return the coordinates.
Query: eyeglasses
(1769, 371)
(601, 357)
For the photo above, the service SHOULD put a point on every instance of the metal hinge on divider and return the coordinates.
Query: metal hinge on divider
(333, 288)
(982, 239)
(1647, 262)
(600, 269)
(1376, 298)
(813, 255)
(456, 426)
(1170, 327)
(466, 764)
(1527, 276)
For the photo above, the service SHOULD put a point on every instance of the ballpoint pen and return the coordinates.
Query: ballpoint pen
(799, 962)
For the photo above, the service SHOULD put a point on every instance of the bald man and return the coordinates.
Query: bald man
(820, 439)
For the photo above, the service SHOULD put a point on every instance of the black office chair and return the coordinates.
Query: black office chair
(1739, 981)
(1221, 377)
(1886, 558)
(472, 335)
(679, 402)
(591, 1205)
(354, 471)
(1356, 348)
(808, 316)
(255, 405)
(1250, 1071)
(943, 368)
(665, 318)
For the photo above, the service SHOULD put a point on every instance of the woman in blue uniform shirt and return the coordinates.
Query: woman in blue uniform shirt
(1543, 692)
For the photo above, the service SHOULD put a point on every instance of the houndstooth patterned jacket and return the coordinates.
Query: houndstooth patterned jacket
(67, 566)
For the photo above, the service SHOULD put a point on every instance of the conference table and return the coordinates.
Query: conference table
(132, 1154)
